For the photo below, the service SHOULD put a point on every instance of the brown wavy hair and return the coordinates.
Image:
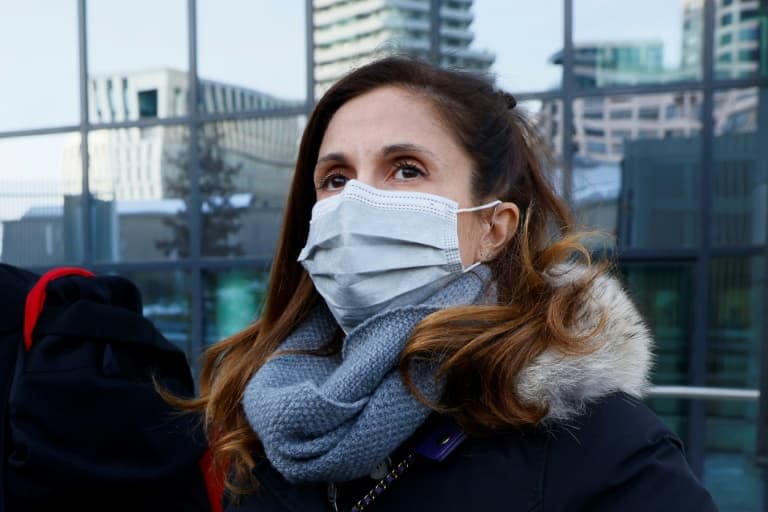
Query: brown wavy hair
(480, 350)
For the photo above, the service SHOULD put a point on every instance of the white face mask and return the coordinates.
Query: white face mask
(369, 250)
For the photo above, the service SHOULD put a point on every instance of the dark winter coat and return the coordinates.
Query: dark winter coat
(617, 456)
(599, 448)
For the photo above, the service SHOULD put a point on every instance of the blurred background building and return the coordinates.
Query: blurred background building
(347, 34)
(165, 154)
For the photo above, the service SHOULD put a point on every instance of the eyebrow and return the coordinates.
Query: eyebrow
(385, 151)
(405, 147)
(332, 157)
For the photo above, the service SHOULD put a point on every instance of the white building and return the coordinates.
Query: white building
(602, 124)
(350, 33)
(138, 163)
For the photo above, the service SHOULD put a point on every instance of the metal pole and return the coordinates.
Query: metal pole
(567, 107)
(435, 53)
(705, 393)
(85, 192)
(698, 367)
(309, 28)
(196, 341)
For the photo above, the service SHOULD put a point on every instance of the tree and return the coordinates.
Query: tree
(220, 217)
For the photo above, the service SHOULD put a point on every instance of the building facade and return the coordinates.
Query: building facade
(348, 34)
(139, 175)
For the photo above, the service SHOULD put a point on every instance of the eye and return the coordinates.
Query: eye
(332, 181)
(406, 171)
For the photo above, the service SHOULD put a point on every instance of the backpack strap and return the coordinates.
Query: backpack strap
(214, 482)
(36, 298)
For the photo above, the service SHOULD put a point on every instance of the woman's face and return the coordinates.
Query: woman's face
(393, 139)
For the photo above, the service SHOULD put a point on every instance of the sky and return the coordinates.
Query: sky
(253, 43)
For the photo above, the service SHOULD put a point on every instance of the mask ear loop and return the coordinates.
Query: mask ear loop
(493, 204)
(493, 214)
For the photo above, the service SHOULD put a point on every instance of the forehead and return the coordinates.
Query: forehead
(386, 115)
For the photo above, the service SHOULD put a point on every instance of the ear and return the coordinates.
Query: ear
(501, 227)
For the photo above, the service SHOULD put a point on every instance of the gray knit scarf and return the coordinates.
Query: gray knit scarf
(334, 418)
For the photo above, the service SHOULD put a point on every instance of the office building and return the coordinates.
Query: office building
(349, 33)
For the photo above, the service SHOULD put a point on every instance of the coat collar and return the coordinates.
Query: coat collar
(620, 359)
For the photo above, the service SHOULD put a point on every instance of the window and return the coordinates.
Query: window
(748, 55)
(148, 103)
(594, 132)
(749, 34)
(738, 122)
(126, 108)
(178, 102)
(593, 103)
(590, 114)
(621, 114)
(725, 57)
(111, 100)
(596, 147)
(726, 39)
(649, 113)
(96, 99)
(726, 19)
(748, 14)
(622, 134)
(674, 111)
(726, 3)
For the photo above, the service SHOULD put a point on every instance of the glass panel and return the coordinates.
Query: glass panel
(624, 147)
(740, 173)
(737, 310)
(741, 39)
(39, 63)
(655, 41)
(663, 293)
(736, 335)
(165, 296)
(538, 29)
(246, 169)
(236, 53)
(547, 117)
(40, 200)
(136, 73)
(233, 300)
(730, 472)
(139, 180)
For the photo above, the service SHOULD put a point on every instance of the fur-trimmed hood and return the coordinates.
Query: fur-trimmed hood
(620, 362)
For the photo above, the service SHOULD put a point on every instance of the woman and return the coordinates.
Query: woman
(430, 339)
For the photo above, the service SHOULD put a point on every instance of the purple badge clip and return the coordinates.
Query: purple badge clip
(441, 439)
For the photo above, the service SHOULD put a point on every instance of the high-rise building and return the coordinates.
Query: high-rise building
(693, 36)
(739, 34)
(349, 33)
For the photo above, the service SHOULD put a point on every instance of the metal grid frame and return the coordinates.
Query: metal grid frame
(196, 264)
